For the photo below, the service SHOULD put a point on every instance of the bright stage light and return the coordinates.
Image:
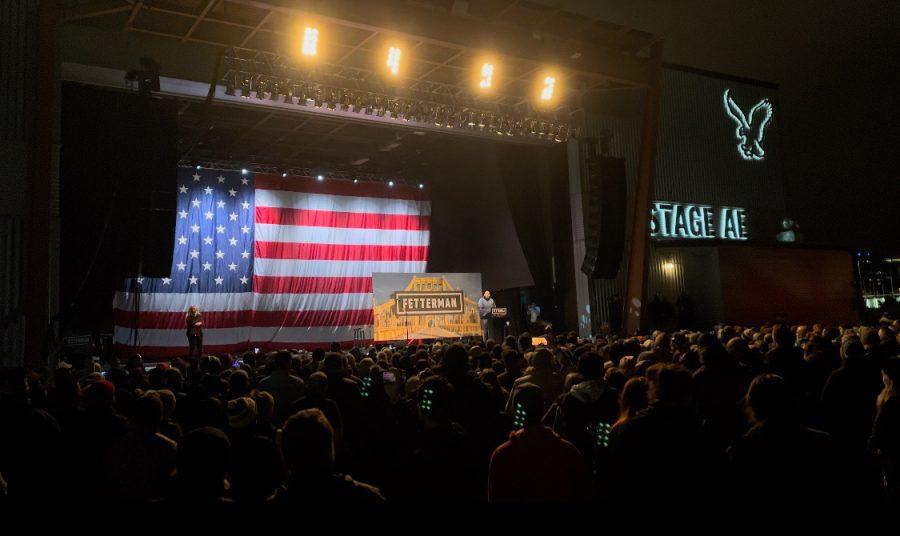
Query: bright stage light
(391, 183)
(421, 186)
(244, 171)
(284, 174)
(320, 178)
(549, 86)
(393, 60)
(310, 42)
(487, 76)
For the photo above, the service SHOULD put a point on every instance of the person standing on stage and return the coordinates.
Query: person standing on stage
(534, 313)
(485, 304)
(194, 323)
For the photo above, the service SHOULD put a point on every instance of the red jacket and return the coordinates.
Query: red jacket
(537, 465)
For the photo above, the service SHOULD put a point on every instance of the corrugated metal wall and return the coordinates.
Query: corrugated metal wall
(696, 162)
(12, 263)
(17, 48)
(17, 44)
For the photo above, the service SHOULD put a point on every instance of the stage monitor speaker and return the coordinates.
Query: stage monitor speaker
(604, 193)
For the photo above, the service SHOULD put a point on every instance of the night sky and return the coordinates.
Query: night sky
(837, 67)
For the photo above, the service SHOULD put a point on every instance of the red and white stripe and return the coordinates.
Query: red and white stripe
(316, 245)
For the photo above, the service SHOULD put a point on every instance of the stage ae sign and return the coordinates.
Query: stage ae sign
(688, 221)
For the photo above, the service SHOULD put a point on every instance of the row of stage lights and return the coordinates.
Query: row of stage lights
(547, 88)
(304, 93)
(403, 109)
(321, 178)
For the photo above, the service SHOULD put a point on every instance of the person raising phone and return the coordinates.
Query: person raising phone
(194, 324)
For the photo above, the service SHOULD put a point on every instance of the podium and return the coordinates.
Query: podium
(498, 323)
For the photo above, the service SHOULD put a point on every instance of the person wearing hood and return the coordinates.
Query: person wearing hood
(542, 374)
(590, 402)
(536, 464)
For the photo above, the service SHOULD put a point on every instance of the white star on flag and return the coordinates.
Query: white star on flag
(220, 229)
(195, 254)
(232, 266)
(221, 179)
(245, 205)
(182, 189)
(167, 280)
(244, 280)
(208, 190)
(245, 229)
(208, 240)
(196, 203)
(220, 254)
(195, 228)
(220, 204)
(181, 266)
(193, 280)
(182, 240)
(245, 254)
(207, 265)
(232, 241)
(245, 182)
(196, 177)
(232, 192)
(209, 215)
(232, 216)
(182, 214)
(219, 280)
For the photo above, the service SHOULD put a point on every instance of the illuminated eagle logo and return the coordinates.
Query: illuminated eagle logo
(750, 128)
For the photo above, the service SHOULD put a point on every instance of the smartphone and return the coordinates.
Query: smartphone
(256, 350)
(104, 373)
(538, 341)
(237, 363)
(388, 377)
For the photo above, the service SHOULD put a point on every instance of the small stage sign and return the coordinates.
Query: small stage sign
(425, 306)
(428, 303)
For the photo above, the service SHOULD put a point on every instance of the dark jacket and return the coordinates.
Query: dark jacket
(782, 464)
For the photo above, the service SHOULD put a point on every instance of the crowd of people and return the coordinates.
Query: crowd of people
(762, 416)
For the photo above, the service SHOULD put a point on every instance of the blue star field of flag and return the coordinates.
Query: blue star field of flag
(213, 249)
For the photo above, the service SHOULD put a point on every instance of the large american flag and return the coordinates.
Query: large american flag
(273, 262)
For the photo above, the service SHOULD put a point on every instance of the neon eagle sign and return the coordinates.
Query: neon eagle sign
(750, 128)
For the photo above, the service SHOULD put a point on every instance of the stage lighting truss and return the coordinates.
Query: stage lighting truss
(321, 175)
(271, 78)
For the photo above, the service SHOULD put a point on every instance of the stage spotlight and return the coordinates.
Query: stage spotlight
(261, 89)
(310, 42)
(393, 60)
(302, 93)
(561, 134)
(284, 174)
(320, 178)
(391, 183)
(487, 76)
(198, 166)
(355, 181)
(421, 186)
(549, 86)
(245, 86)
(229, 86)
(244, 171)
